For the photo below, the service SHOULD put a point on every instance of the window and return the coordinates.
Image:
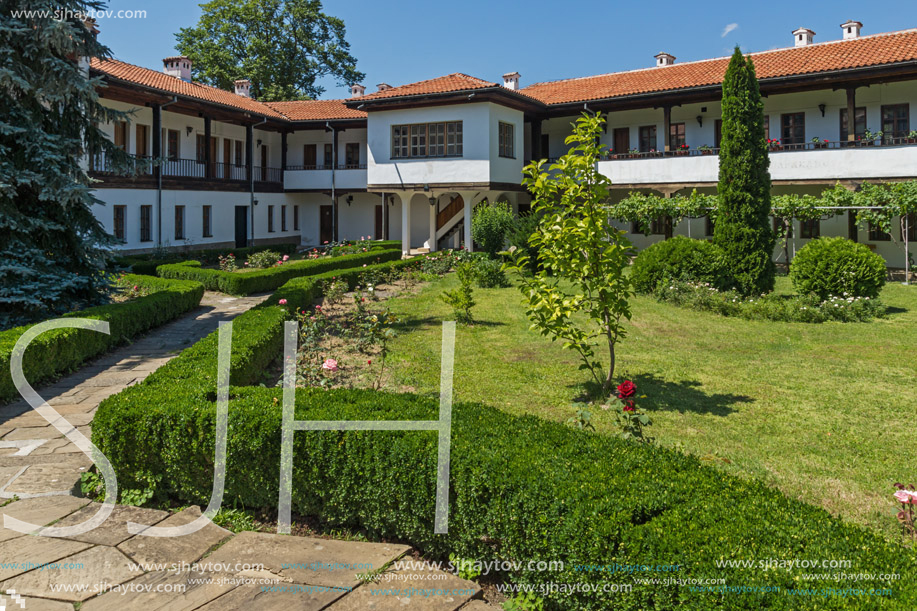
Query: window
(270, 219)
(718, 133)
(778, 226)
(146, 223)
(264, 157)
(648, 139)
(676, 136)
(283, 218)
(329, 155)
(507, 139)
(860, 126)
(207, 223)
(767, 127)
(238, 154)
(172, 151)
(352, 154)
(295, 218)
(120, 212)
(121, 135)
(657, 226)
(179, 222)
(143, 140)
(708, 226)
(427, 140)
(308, 156)
(810, 229)
(895, 120)
(793, 128)
(911, 221)
(877, 235)
(201, 144)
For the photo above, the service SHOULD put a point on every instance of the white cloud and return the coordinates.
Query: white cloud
(730, 27)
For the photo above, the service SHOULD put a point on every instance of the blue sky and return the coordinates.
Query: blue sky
(401, 41)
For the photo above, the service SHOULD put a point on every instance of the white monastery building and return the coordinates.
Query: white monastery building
(410, 162)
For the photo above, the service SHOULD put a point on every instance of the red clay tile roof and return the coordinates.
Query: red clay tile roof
(442, 84)
(874, 50)
(170, 84)
(316, 110)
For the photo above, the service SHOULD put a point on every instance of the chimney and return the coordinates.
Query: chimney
(243, 87)
(383, 86)
(511, 81)
(664, 59)
(357, 90)
(803, 37)
(178, 66)
(851, 29)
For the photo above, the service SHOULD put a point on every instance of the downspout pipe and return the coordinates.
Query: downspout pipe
(159, 179)
(251, 180)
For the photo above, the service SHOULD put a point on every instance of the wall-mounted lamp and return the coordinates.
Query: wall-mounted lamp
(700, 120)
(255, 201)
(822, 107)
(391, 200)
(349, 199)
(259, 143)
(432, 201)
(188, 130)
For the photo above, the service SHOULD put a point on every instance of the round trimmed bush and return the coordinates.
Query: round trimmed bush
(678, 258)
(835, 266)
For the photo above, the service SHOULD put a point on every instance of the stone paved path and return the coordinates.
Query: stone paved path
(212, 569)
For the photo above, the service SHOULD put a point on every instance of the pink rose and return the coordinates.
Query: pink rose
(137, 289)
(330, 365)
(906, 496)
(282, 302)
(286, 257)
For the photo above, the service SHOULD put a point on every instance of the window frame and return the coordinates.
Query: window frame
(843, 125)
(677, 136)
(119, 225)
(906, 118)
(414, 141)
(179, 222)
(207, 221)
(295, 217)
(644, 134)
(173, 137)
(810, 229)
(270, 218)
(350, 161)
(506, 136)
(788, 122)
(283, 217)
(877, 235)
(146, 223)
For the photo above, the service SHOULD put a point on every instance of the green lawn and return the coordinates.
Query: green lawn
(826, 412)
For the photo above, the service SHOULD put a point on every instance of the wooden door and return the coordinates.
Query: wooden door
(142, 141)
(378, 231)
(621, 140)
(326, 224)
(241, 226)
(213, 156)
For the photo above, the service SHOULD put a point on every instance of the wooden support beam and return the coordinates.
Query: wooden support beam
(851, 114)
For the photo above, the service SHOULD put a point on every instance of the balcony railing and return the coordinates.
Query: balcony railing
(340, 166)
(187, 168)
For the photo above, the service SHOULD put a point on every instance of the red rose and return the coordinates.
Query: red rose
(626, 389)
(629, 407)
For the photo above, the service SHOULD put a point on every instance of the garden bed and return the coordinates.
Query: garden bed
(149, 302)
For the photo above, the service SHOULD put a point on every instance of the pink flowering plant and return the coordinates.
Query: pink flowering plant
(907, 497)
(228, 263)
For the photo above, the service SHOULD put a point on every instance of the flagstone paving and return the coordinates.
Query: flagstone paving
(110, 569)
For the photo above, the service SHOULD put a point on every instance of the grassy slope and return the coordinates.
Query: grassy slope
(824, 412)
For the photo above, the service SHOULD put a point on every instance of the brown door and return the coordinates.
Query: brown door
(621, 140)
(227, 152)
(142, 140)
(263, 162)
(326, 224)
(378, 232)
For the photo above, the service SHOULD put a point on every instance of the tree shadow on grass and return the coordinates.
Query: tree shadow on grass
(663, 395)
(684, 396)
(415, 323)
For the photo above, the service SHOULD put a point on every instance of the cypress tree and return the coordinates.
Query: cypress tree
(742, 229)
(52, 248)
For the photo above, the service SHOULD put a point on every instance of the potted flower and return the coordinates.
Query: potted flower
(871, 139)
(818, 143)
(705, 149)
(773, 144)
(912, 136)
(632, 153)
(682, 149)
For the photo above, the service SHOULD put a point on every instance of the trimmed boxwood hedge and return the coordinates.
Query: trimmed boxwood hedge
(521, 488)
(838, 267)
(678, 258)
(147, 264)
(61, 350)
(258, 281)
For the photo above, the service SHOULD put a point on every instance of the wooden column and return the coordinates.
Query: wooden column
(208, 161)
(283, 151)
(249, 152)
(851, 114)
(157, 138)
(666, 126)
(537, 153)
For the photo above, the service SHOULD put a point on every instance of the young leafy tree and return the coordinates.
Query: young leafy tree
(282, 46)
(742, 226)
(52, 248)
(489, 226)
(579, 293)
